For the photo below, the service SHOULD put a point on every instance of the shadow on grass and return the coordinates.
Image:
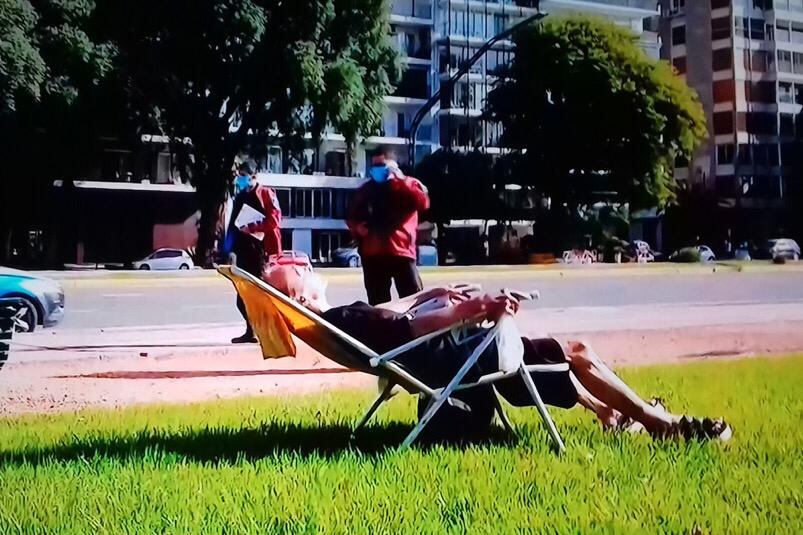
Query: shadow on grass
(235, 444)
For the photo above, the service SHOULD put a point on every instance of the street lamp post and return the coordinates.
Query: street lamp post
(463, 69)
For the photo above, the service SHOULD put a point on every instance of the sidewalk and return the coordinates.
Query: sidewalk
(212, 340)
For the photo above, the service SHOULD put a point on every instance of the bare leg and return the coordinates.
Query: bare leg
(606, 414)
(608, 388)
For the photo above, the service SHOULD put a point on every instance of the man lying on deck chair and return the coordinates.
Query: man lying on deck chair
(590, 382)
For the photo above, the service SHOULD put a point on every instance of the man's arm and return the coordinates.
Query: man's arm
(410, 192)
(406, 303)
(476, 309)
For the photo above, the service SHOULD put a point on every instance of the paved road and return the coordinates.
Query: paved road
(116, 303)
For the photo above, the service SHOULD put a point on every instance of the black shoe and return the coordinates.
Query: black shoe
(246, 338)
(704, 429)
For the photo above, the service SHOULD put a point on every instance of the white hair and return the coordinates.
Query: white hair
(311, 285)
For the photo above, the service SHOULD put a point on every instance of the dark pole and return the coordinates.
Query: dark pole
(449, 84)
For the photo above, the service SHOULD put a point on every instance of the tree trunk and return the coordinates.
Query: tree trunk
(349, 158)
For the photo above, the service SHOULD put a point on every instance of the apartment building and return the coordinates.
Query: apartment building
(437, 36)
(745, 59)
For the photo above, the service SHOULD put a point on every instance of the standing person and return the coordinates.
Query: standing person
(383, 218)
(255, 238)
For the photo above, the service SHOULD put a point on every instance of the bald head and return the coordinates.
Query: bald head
(285, 279)
(306, 287)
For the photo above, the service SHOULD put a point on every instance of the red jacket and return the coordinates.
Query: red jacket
(271, 225)
(384, 217)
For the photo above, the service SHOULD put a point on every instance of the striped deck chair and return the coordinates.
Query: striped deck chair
(276, 318)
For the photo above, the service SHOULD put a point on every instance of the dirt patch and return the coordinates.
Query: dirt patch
(76, 384)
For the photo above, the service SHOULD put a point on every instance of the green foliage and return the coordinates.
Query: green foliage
(284, 465)
(22, 68)
(226, 73)
(595, 113)
(45, 51)
(461, 185)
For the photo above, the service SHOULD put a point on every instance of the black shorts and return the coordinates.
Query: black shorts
(555, 388)
(438, 361)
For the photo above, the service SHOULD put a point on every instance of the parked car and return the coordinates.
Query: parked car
(291, 258)
(41, 299)
(697, 253)
(350, 257)
(706, 254)
(165, 259)
(785, 248)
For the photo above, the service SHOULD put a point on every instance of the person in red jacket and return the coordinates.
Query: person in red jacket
(256, 235)
(383, 217)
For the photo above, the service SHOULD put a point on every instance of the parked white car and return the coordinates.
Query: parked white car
(165, 259)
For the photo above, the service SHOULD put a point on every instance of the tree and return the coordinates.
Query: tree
(461, 186)
(226, 73)
(588, 111)
(51, 70)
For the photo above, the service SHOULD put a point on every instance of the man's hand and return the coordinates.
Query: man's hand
(488, 307)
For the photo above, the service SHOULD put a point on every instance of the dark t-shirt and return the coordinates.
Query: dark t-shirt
(380, 329)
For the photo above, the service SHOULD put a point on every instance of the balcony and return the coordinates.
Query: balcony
(411, 11)
(414, 84)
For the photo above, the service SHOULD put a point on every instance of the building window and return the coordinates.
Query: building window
(754, 29)
(723, 123)
(761, 123)
(787, 125)
(676, 7)
(325, 243)
(782, 32)
(758, 60)
(721, 28)
(724, 91)
(786, 92)
(784, 61)
(716, 4)
(797, 32)
(762, 4)
(283, 196)
(797, 60)
(722, 59)
(763, 92)
(725, 154)
(679, 35)
(680, 64)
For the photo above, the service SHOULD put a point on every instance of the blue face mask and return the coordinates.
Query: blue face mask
(241, 183)
(380, 173)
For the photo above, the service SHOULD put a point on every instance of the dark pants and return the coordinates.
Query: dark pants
(380, 271)
(251, 260)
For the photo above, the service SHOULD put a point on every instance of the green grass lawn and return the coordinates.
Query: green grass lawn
(284, 466)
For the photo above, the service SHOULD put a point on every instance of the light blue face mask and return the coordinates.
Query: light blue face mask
(380, 173)
(241, 183)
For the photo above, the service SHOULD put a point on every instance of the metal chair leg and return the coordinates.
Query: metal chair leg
(553, 431)
(374, 407)
(500, 410)
(443, 395)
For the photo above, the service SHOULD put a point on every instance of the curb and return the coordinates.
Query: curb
(556, 270)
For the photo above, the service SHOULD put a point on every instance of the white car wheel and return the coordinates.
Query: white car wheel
(144, 267)
(184, 266)
(354, 262)
(26, 318)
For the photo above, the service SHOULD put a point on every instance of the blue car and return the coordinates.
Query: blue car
(41, 300)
